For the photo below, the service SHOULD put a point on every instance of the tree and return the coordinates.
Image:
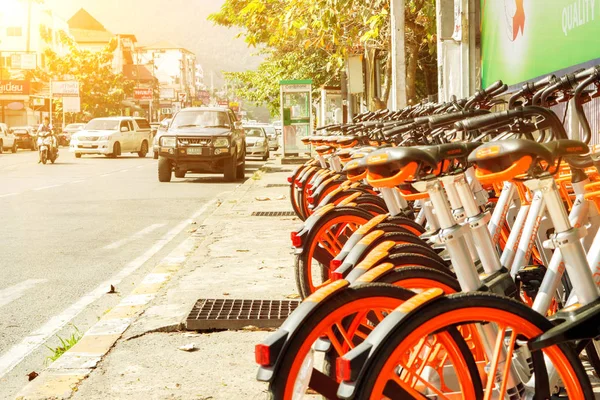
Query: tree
(292, 32)
(101, 90)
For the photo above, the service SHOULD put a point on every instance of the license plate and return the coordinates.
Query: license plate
(193, 150)
(87, 146)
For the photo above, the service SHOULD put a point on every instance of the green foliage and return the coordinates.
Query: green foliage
(65, 344)
(101, 90)
(313, 38)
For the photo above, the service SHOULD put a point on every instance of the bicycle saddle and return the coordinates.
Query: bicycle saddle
(324, 149)
(356, 169)
(392, 166)
(347, 141)
(345, 154)
(507, 159)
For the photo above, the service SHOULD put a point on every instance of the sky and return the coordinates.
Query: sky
(182, 22)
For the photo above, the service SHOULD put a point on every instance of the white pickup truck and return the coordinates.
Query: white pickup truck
(113, 136)
(8, 140)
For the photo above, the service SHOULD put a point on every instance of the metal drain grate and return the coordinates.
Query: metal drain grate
(272, 185)
(273, 214)
(236, 313)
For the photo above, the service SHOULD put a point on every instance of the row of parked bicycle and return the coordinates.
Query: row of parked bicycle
(447, 252)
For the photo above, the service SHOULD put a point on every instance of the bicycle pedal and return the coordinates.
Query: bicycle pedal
(530, 279)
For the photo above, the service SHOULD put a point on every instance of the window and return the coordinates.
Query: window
(142, 123)
(124, 125)
(130, 126)
(14, 31)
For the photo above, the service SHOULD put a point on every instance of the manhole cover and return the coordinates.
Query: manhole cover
(272, 185)
(235, 314)
(273, 214)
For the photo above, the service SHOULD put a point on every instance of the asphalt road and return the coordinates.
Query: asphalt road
(69, 230)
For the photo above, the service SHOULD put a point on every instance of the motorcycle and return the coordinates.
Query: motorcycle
(48, 149)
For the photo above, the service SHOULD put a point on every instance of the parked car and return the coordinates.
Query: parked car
(257, 143)
(64, 138)
(154, 127)
(272, 137)
(163, 127)
(202, 139)
(278, 127)
(112, 137)
(26, 137)
(8, 141)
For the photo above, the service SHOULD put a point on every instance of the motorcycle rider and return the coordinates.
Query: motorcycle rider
(43, 131)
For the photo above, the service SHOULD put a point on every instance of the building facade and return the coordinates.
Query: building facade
(175, 69)
(27, 30)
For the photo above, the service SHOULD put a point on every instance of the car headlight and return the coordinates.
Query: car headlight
(221, 142)
(168, 141)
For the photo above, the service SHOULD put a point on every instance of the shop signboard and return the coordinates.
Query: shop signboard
(26, 61)
(167, 94)
(203, 96)
(14, 87)
(65, 88)
(142, 93)
(524, 40)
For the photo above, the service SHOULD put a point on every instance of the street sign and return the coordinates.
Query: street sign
(166, 111)
(204, 96)
(142, 93)
(65, 88)
(182, 97)
(27, 61)
(14, 87)
(176, 107)
(167, 93)
(235, 106)
(72, 104)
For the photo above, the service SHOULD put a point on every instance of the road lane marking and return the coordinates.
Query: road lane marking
(110, 173)
(17, 353)
(74, 182)
(12, 293)
(140, 166)
(46, 187)
(135, 236)
(9, 194)
(125, 170)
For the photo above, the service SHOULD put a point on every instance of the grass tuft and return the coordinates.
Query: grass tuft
(65, 344)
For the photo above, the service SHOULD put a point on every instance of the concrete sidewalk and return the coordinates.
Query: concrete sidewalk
(233, 255)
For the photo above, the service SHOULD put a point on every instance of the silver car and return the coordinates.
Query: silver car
(257, 144)
(162, 128)
(273, 138)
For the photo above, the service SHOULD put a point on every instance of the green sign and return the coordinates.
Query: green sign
(525, 39)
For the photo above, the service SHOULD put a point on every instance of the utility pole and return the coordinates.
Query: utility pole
(28, 25)
(398, 56)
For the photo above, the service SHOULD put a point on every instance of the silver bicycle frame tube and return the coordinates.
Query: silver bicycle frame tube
(510, 248)
(432, 221)
(458, 212)
(335, 163)
(391, 201)
(479, 229)
(567, 240)
(322, 161)
(530, 229)
(556, 267)
(501, 210)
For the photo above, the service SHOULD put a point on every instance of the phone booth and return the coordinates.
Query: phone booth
(331, 106)
(296, 116)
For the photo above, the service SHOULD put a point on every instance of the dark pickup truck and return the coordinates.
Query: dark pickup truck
(202, 139)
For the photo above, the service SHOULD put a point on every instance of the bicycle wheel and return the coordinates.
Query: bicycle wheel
(394, 371)
(324, 242)
(344, 320)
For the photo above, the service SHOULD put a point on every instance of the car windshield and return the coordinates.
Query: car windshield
(270, 131)
(201, 119)
(75, 126)
(102, 125)
(254, 132)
